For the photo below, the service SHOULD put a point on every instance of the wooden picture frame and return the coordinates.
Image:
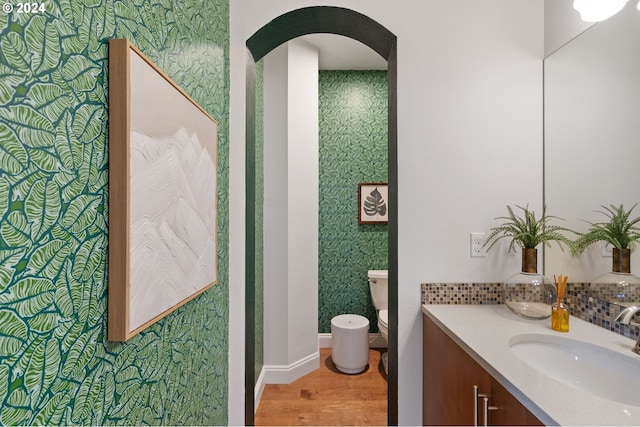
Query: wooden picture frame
(373, 203)
(162, 194)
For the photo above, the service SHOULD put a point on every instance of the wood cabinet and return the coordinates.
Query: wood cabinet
(449, 377)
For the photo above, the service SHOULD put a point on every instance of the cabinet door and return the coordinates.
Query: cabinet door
(508, 410)
(449, 377)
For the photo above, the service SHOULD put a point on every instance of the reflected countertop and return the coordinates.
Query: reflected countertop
(484, 331)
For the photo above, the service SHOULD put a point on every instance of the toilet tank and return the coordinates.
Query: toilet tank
(378, 285)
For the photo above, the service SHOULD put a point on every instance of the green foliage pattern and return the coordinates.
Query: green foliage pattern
(353, 149)
(56, 366)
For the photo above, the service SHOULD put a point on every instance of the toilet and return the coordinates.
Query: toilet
(378, 286)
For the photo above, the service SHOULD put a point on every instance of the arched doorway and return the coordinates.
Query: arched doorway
(348, 23)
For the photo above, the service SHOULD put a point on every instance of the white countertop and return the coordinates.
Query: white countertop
(484, 331)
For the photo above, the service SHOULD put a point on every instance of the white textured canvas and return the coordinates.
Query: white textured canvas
(173, 252)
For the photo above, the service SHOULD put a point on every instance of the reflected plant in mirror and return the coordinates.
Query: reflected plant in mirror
(622, 233)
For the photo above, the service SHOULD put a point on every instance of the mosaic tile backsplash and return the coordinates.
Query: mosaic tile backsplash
(593, 310)
(462, 293)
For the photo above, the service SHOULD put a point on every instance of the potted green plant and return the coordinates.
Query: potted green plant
(620, 231)
(529, 294)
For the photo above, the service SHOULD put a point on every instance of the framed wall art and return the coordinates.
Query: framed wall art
(372, 203)
(162, 194)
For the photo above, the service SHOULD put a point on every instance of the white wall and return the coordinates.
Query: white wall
(303, 193)
(291, 204)
(276, 261)
(237, 57)
(469, 141)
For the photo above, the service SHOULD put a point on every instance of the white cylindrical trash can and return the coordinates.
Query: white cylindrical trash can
(350, 343)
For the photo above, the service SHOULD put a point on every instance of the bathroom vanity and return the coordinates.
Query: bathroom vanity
(458, 391)
(475, 351)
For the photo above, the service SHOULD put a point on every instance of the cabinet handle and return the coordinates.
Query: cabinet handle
(475, 406)
(487, 408)
(486, 411)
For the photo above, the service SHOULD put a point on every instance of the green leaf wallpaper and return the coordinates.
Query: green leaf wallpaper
(353, 149)
(56, 367)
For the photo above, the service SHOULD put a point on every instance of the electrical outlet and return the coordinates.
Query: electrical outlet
(477, 242)
(606, 250)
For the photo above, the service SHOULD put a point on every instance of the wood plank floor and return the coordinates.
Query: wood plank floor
(328, 397)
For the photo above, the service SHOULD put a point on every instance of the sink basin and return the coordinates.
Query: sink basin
(582, 365)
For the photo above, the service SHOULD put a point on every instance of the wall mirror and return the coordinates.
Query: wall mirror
(592, 136)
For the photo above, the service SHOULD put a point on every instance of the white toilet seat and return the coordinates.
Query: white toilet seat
(383, 318)
(383, 324)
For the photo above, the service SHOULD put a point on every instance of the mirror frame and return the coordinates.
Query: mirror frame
(299, 22)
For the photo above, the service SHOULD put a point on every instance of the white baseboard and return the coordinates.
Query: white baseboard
(285, 374)
(375, 341)
(324, 341)
(258, 389)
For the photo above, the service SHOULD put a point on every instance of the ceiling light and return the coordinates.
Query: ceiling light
(598, 10)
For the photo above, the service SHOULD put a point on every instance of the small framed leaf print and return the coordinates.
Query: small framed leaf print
(372, 199)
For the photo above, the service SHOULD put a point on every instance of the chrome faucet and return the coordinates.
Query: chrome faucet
(625, 317)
